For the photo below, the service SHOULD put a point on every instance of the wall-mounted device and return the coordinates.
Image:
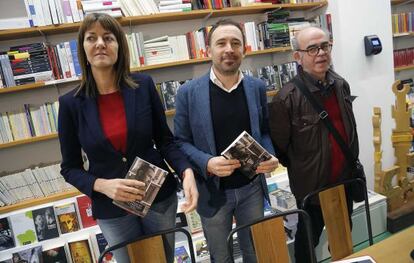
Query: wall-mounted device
(372, 45)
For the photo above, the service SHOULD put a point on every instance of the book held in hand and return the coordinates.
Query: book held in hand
(248, 151)
(153, 177)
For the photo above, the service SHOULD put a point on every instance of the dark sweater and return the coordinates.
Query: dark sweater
(230, 117)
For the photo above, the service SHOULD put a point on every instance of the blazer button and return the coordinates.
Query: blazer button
(124, 159)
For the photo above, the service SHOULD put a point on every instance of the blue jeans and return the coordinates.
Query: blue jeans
(246, 205)
(161, 216)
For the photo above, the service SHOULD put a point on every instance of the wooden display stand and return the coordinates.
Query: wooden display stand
(400, 196)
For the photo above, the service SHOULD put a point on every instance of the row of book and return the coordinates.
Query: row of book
(31, 121)
(54, 12)
(46, 223)
(402, 23)
(273, 76)
(32, 183)
(403, 57)
(85, 248)
(39, 62)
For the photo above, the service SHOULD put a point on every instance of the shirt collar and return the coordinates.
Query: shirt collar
(216, 81)
(324, 86)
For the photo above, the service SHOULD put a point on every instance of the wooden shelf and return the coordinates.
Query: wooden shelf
(157, 18)
(29, 140)
(397, 2)
(407, 34)
(38, 85)
(397, 69)
(205, 60)
(39, 201)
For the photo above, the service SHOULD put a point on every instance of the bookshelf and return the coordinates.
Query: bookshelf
(39, 201)
(157, 18)
(51, 89)
(399, 2)
(398, 69)
(55, 135)
(38, 85)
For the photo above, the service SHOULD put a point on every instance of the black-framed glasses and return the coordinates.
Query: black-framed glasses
(314, 50)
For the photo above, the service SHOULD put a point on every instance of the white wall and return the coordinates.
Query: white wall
(370, 77)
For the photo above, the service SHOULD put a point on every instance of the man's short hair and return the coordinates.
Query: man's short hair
(225, 22)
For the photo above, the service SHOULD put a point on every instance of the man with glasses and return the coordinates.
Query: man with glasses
(301, 139)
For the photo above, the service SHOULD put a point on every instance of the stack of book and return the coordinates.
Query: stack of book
(112, 8)
(166, 6)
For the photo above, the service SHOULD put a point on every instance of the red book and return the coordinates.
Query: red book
(85, 211)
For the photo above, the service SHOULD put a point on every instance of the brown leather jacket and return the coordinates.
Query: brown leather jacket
(301, 138)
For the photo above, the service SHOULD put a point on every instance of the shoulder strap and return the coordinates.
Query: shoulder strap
(323, 115)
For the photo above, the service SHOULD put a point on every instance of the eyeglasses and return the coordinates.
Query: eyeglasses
(314, 50)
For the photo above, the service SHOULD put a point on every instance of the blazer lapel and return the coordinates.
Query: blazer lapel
(90, 112)
(250, 91)
(128, 95)
(203, 100)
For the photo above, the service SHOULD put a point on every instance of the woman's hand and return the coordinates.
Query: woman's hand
(190, 191)
(125, 190)
(268, 166)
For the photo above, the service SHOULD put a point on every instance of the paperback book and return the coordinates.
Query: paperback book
(248, 151)
(33, 254)
(6, 235)
(153, 177)
(67, 217)
(45, 223)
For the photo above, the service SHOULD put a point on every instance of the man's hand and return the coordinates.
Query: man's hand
(268, 166)
(221, 166)
(125, 190)
(190, 191)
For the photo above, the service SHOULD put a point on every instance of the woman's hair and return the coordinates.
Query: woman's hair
(88, 84)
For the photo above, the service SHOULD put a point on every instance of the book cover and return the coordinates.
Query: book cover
(287, 71)
(67, 218)
(201, 249)
(169, 91)
(55, 255)
(80, 251)
(102, 245)
(45, 223)
(194, 221)
(248, 151)
(23, 228)
(33, 254)
(181, 254)
(85, 211)
(270, 77)
(152, 176)
(6, 235)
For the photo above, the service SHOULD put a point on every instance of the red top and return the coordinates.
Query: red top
(113, 119)
(338, 159)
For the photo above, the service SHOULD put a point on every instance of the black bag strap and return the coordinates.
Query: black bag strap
(323, 115)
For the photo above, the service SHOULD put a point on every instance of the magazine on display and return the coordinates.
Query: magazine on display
(248, 151)
(153, 177)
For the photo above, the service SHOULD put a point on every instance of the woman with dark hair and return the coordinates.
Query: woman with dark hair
(114, 116)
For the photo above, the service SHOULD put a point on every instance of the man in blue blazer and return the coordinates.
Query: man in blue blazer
(211, 112)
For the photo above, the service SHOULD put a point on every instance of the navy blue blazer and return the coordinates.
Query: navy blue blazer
(80, 128)
(193, 127)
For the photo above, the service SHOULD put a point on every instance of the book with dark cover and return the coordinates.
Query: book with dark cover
(287, 71)
(6, 235)
(45, 223)
(102, 245)
(55, 255)
(248, 151)
(85, 211)
(169, 91)
(33, 254)
(152, 176)
(270, 77)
